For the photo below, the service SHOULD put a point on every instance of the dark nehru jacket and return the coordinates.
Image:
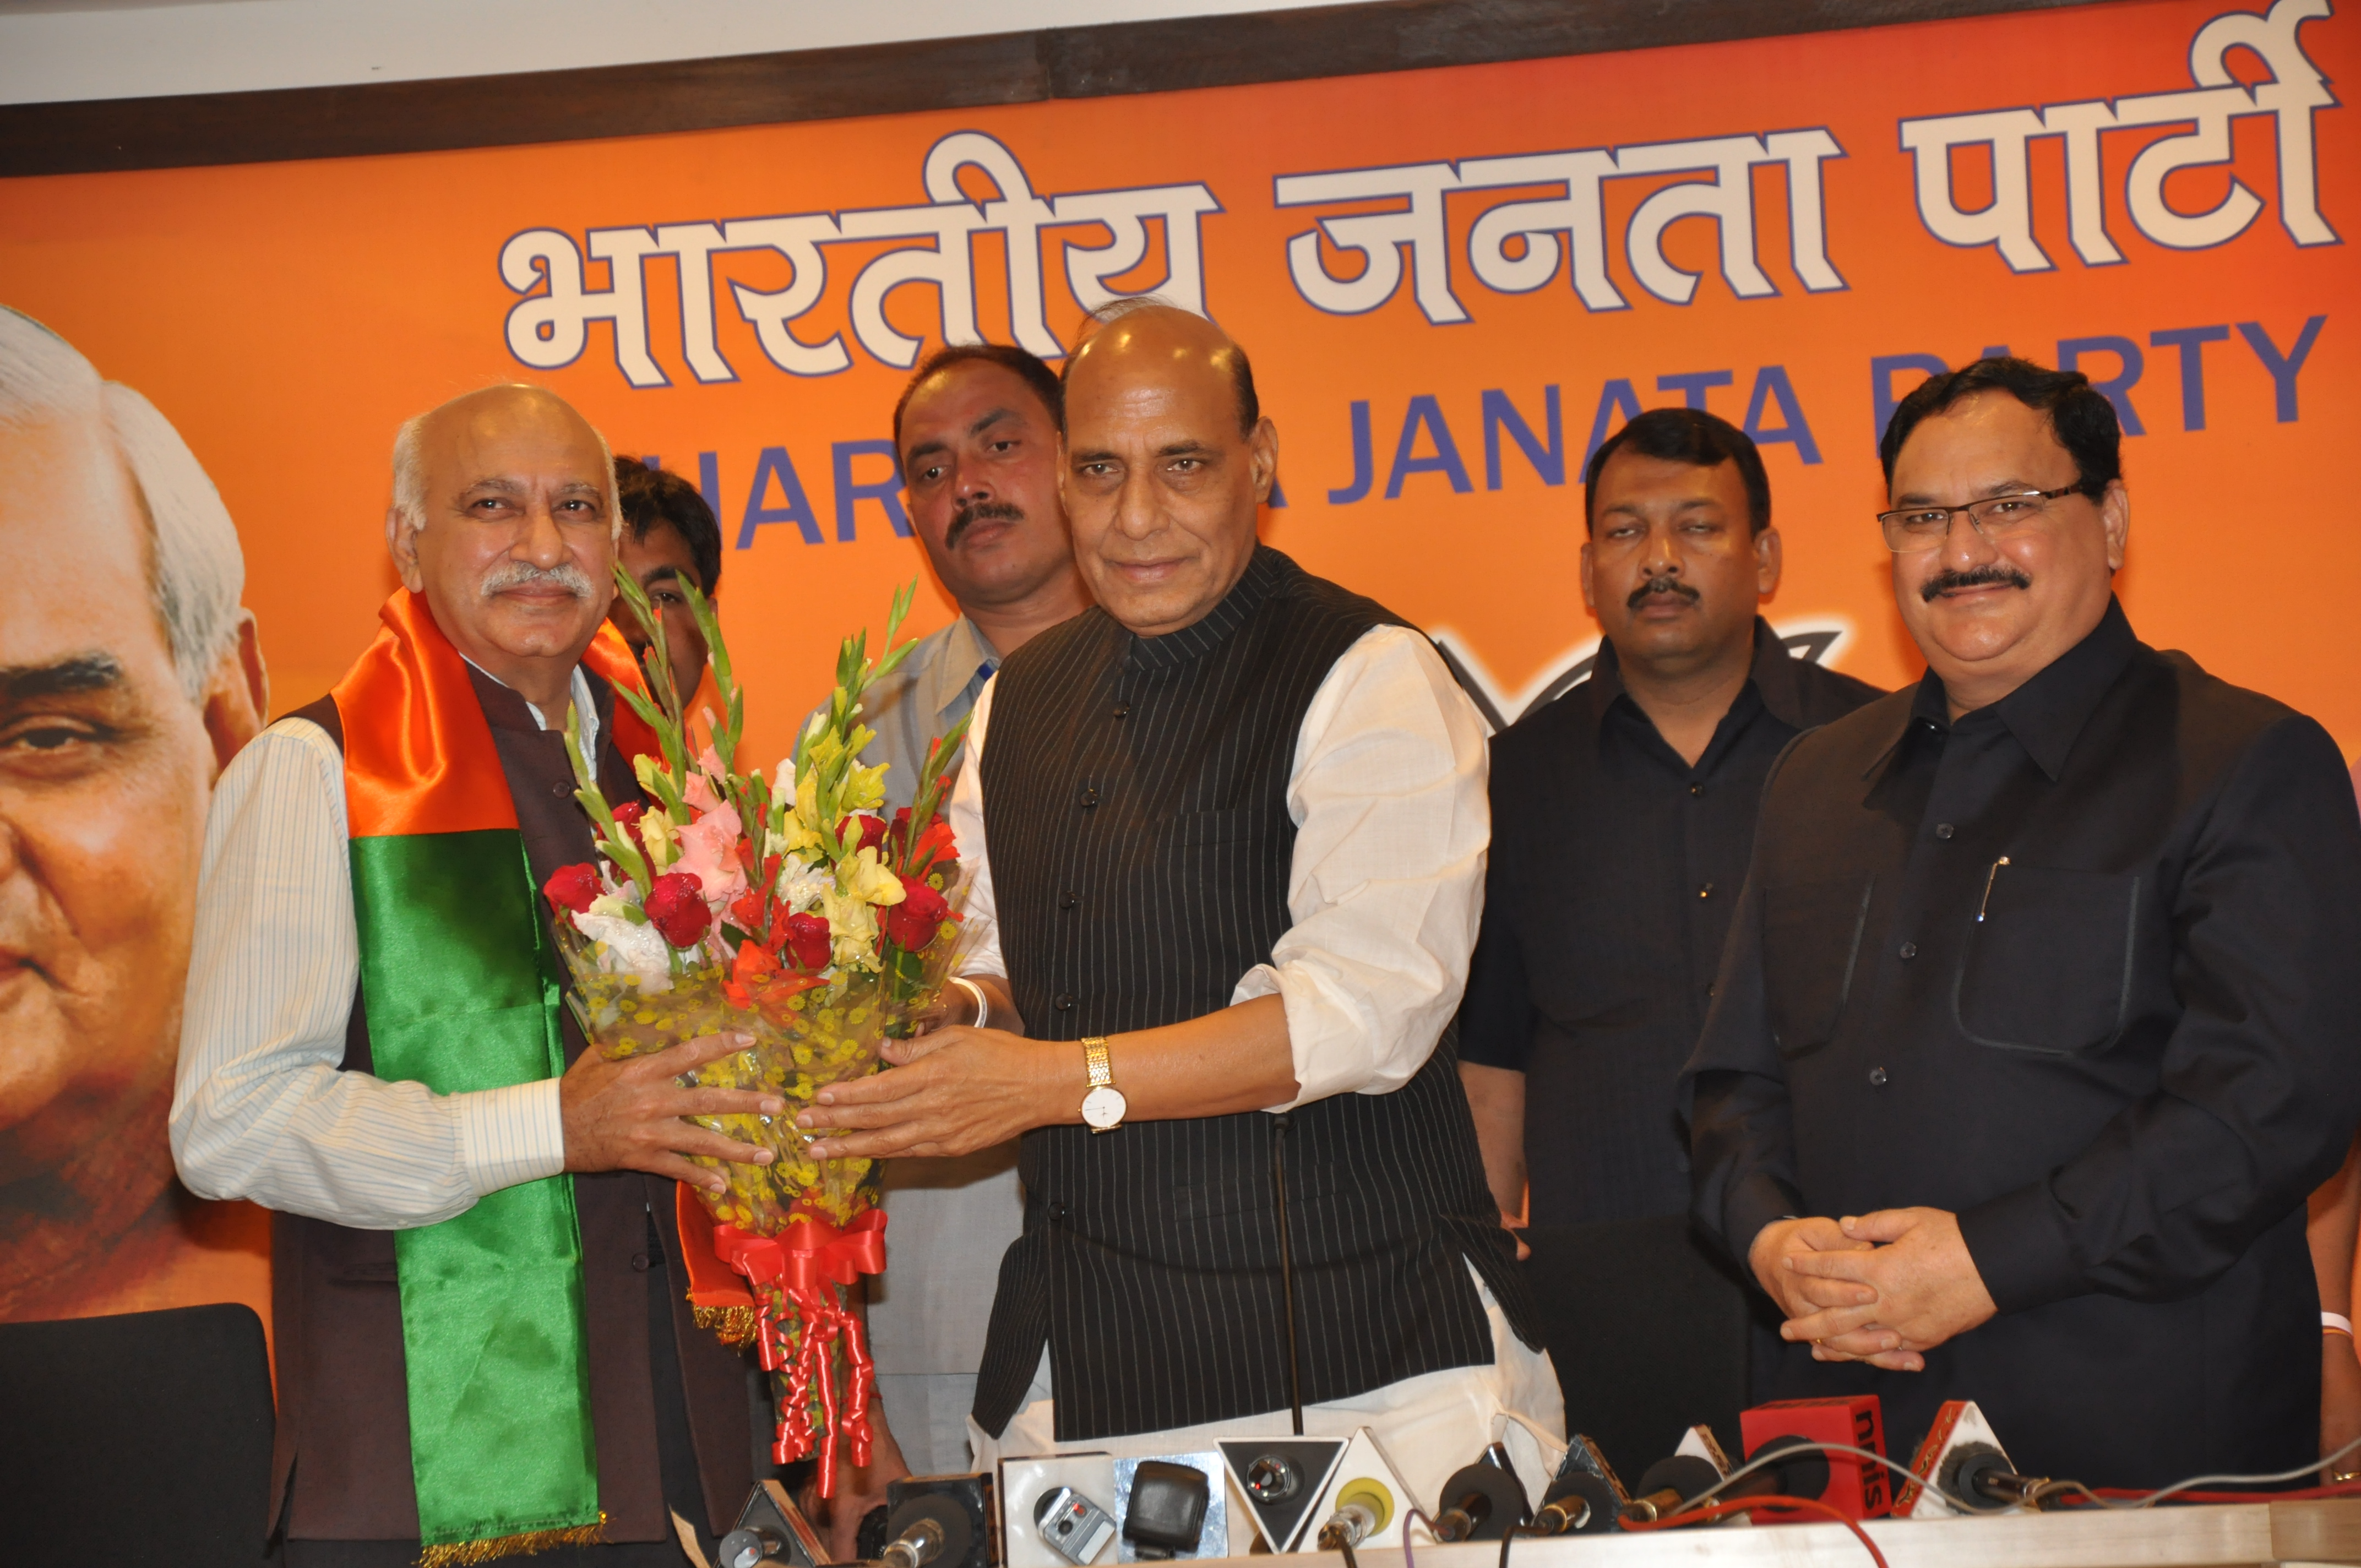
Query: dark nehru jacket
(344, 1403)
(2076, 968)
(1135, 805)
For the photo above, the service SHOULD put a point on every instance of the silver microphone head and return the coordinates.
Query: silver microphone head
(915, 1547)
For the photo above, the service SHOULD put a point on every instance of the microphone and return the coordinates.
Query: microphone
(748, 1546)
(1363, 1508)
(1482, 1502)
(1167, 1513)
(1855, 1488)
(926, 1530)
(1583, 1498)
(1962, 1468)
(1978, 1475)
(1578, 1504)
(1669, 1483)
(770, 1533)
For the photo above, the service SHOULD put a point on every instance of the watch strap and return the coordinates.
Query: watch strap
(1095, 1059)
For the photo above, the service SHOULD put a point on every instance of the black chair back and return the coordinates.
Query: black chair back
(145, 1437)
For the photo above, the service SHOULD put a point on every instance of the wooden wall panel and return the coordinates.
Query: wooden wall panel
(893, 77)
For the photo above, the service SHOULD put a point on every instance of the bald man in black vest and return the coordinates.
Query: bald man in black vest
(1228, 831)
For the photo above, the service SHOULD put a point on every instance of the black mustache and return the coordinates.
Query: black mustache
(990, 510)
(1976, 578)
(1659, 585)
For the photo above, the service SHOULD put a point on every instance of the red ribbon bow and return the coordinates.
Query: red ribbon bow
(807, 1252)
(803, 1264)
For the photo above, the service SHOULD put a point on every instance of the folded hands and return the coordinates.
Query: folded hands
(1882, 1287)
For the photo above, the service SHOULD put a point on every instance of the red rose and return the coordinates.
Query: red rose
(675, 907)
(913, 922)
(572, 887)
(808, 942)
(873, 830)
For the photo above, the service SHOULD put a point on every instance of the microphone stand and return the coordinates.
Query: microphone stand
(1287, 1268)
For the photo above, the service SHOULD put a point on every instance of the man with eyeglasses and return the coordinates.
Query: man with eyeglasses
(1622, 817)
(2033, 1033)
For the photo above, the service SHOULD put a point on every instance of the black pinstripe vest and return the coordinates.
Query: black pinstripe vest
(1135, 800)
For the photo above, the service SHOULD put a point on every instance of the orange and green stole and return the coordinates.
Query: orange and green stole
(462, 993)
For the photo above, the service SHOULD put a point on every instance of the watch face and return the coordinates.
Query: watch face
(1102, 1108)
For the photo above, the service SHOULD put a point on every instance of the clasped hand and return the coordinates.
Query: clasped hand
(1880, 1288)
(630, 1114)
(952, 1091)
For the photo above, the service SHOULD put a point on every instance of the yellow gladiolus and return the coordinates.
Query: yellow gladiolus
(864, 788)
(662, 838)
(864, 877)
(850, 918)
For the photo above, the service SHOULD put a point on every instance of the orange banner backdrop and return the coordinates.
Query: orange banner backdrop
(1451, 282)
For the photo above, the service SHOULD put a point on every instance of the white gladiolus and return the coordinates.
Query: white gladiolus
(625, 947)
(800, 886)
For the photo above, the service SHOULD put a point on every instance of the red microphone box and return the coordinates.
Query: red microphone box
(1856, 1488)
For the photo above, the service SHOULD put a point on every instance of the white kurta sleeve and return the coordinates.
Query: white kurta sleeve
(1386, 886)
(980, 934)
(259, 1108)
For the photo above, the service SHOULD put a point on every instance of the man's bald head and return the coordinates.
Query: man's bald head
(504, 518)
(506, 403)
(1167, 460)
(1221, 351)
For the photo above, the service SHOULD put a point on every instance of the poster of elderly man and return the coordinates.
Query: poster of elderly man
(129, 675)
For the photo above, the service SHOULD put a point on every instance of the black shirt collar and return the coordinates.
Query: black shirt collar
(1266, 571)
(1773, 678)
(2047, 712)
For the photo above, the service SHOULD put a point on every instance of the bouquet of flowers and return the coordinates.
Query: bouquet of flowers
(790, 909)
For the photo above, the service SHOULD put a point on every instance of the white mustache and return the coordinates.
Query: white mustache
(524, 574)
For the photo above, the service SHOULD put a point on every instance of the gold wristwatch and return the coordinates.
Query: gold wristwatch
(1103, 1106)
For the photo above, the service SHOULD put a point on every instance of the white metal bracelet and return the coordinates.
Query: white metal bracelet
(2338, 1322)
(982, 1004)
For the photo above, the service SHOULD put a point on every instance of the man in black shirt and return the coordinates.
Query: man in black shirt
(2034, 1028)
(1622, 816)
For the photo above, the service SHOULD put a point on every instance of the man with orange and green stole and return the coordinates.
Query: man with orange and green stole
(483, 1347)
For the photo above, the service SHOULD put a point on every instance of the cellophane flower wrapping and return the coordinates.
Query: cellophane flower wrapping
(792, 909)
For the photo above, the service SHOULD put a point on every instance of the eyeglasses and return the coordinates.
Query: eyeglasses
(1996, 517)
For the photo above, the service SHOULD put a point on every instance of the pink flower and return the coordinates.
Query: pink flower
(699, 793)
(708, 849)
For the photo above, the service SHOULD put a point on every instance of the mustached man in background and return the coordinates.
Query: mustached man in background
(1622, 817)
(976, 435)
